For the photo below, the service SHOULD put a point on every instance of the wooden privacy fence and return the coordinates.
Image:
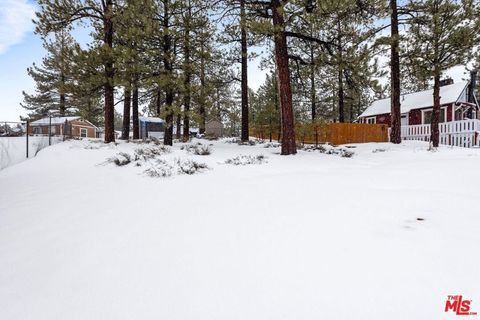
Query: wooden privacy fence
(333, 133)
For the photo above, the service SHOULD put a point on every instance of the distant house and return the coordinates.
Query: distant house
(214, 128)
(459, 114)
(416, 108)
(151, 127)
(63, 126)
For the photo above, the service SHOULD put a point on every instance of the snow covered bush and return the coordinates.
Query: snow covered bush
(121, 159)
(232, 140)
(272, 145)
(309, 148)
(198, 149)
(160, 169)
(189, 166)
(344, 152)
(244, 160)
(145, 153)
(250, 142)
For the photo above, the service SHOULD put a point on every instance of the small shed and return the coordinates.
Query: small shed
(151, 127)
(214, 128)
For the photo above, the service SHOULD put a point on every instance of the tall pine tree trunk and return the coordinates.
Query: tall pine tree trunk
(109, 73)
(63, 106)
(285, 90)
(341, 91)
(202, 107)
(313, 93)
(126, 114)
(435, 132)
(395, 133)
(167, 57)
(136, 129)
(158, 102)
(341, 96)
(188, 77)
(178, 133)
(244, 53)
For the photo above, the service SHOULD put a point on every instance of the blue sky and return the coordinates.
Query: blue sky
(20, 47)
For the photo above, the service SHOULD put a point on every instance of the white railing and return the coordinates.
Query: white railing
(463, 133)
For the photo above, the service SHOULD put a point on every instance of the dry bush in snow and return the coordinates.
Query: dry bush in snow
(160, 169)
(198, 149)
(189, 166)
(244, 160)
(121, 159)
(145, 153)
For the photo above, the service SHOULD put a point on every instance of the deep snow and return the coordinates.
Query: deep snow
(311, 236)
(13, 149)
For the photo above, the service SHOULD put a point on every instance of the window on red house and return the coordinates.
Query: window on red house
(427, 116)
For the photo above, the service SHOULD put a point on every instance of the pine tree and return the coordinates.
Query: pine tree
(57, 14)
(395, 133)
(239, 16)
(441, 35)
(53, 78)
(134, 27)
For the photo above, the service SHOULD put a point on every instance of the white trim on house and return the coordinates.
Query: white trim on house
(367, 120)
(86, 132)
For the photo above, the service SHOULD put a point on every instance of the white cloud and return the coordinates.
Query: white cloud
(15, 22)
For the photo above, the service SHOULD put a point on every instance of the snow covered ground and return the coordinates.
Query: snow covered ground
(13, 149)
(311, 236)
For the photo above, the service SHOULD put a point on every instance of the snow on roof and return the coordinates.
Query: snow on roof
(423, 99)
(55, 120)
(150, 119)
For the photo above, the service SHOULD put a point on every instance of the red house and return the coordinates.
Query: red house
(459, 116)
(416, 108)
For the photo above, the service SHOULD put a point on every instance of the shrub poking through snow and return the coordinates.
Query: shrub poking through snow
(379, 150)
(250, 142)
(189, 166)
(145, 153)
(272, 145)
(232, 140)
(121, 159)
(160, 169)
(198, 149)
(243, 160)
(309, 148)
(344, 152)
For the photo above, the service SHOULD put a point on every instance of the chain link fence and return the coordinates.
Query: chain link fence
(18, 142)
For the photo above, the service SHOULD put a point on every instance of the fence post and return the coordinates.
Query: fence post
(28, 124)
(50, 130)
(64, 130)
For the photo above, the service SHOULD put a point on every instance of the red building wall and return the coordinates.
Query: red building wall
(415, 117)
(384, 119)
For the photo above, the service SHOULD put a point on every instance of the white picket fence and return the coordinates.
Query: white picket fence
(463, 133)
